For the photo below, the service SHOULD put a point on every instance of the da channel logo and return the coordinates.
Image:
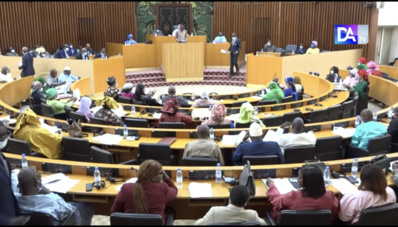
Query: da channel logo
(351, 34)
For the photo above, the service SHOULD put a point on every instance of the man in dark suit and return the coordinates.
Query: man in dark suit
(172, 93)
(89, 49)
(234, 48)
(64, 53)
(82, 55)
(102, 54)
(27, 63)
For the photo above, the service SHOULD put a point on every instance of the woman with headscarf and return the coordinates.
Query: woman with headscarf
(28, 128)
(362, 84)
(373, 69)
(314, 48)
(246, 115)
(170, 112)
(275, 93)
(291, 88)
(298, 85)
(218, 112)
(36, 92)
(204, 100)
(106, 112)
(57, 106)
(84, 107)
(140, 96)
(362, 64)
(126, 91)
(112, 90)
(351, 80)
(334, 76)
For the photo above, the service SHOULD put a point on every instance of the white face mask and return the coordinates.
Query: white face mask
(331, 72)
(301, 47)
(3, 144)
(12, 51)
(66, 49)
(71, 46)
(157, 30)
(269, 44)
(233, 38)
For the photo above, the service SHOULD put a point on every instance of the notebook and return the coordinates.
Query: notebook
(167, 140)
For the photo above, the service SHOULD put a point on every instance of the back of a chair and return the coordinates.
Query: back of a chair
(261, 160)
(333, 113)
(219, 126)
(67, 111)
(238, 104)
(380, 215)
(39, 219)
(77, 117)
(299, 154)
(243, 125)
(35, 107)
(158, 152)
(346, 109)
(288, 99)
(75, 149)
(135, 122)
(305, 217)
(172, 125)
(16, 146)
(125, 100)
(244, 95)
(266, 102)
(379, 145)
(329, 148)
(188, 95)
(278, 50)
(291, 116)
(246, 223)
(318, 115)
(99, 155)
(291, 47)
(199, 161)
(273, 121)
(134, 219)
(46, 110)
(295, 96)
(98, 121)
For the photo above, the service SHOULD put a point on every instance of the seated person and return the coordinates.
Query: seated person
(67, 76)
(106, 112)
(28, 128)
(362, 64)
(130, 40)
(367, 130)
(147, 99)
(246, 115)
(36, 92)
(395, 172)
(11, 52)
(158, 32)
(127, 91)
(220, 38)
(52, 80)
(64, 53)
(204, 100)
(268, 47)
(372, 191)
(71, 52)
(311, 196)
(35, 197)
(170, 113)
(56, 105)
(362, 84)
(314, 48)
(393, 127)
(112, 90)
(218, 112)
(351, 80)
(334, 76)
(298, 85)
(84, 107)
(102, 54)
(275, 93)
(373, 69)
(301, 50)
(234, 212)
(290, 87)
(297, 137)
(257, 147)
(172, 93)
(5, 75)
(83, 54)
(149, 194)
(203, 147)
(181, 35)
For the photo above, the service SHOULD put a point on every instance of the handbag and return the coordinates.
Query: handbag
(247, 179)
(75, 129)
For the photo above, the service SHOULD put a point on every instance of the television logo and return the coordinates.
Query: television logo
(351, 34)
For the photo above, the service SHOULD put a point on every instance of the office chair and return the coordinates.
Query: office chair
(377, 145)
(172, 125)
(135, 219)
(99, 155)
(273, 121)
(158, 152)
(329, 148)
(302, 217)
(135, 122)
(77, 117)
(125, 100)
(75, 149)
(380, 215)
(299, 154)
(261, 160)
(199, 161)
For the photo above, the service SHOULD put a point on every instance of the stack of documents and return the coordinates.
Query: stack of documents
(344, 132)
(108, 139)
(131, 180)
(199, 190)
(344, 186)
(58, 183)
(157, 115)
(282, 184)
(233, 140)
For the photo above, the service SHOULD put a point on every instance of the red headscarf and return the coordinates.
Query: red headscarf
(218, 112)
(362, 60)
(171, 106)
(363, 74)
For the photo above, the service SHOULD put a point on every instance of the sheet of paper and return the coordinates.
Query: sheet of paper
(108, 139)
(282, 184)
(131, 180)
(271, 136)
(391, 163)
(64, 96)
(344, 186)
(344, 132)
(199, 190)
(52, 178)
(95, 109)
(51, 129)
(76, 93)
(157, 115)
(256, 97)
(232, 117)
(8, 120)
(229, 140)
(62, 186)
(119, 111)
(224, 51)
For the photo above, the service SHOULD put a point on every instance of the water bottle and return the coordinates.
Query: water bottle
(262, 91)
(24, 161)
(193, 96)
(210, 107)
(191, 33)
(375, 115)
(390, 113)
(357, 121)
(125, 131)
(133, 110)
(354, 168)
(179, 178)
(97, 177)
(212, 134)
(256, 53)
(218, 173)
(255, 110)
(326, 176)
(232, 124)
(335, 79)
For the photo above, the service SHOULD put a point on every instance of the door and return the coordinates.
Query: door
(170, 15)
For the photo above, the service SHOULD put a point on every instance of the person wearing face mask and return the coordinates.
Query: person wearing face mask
(37, 92)
(234, 49)
(27, 63)
(64, 53)
(89, 49)
(314, 48)
(220, 38)
(268, 47)
(71, 52)
(83, 55)
(130, 40)
(66, 75)
(102, 54)
(11, 52)
(301, 50)
(5, 75)
(334, 76)
(158, 32)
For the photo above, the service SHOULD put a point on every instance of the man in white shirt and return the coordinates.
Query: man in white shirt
(182, 35)
(5, 75)
(176, 30)
(220, 38)
(234, 212)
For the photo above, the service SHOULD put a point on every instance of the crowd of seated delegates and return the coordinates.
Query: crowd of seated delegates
(290, 88)
(246, 115)
(127, 90)
(170, 113)
(275, 93)
(112, 91)
(334, 76)
(351, 80)
(52, 79)
(146, 99)
(84, 107)
(56, 105)
(204, 100)
(149, 194)
(172, 94)
(257, 147)
(29, 128)
(106, 112)
(360, 87)
(11, 52)
(217, 115)
(34, 197)
(5, 75)
(301, 49)
(203, 146)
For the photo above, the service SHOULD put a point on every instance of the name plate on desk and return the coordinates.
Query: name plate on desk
(295, 105)
(202, 174)
(322, 98)
(315, 128)
(275, 108)
(56, 168)
(104, 171)
(119, 131)
(264, 173)
(310, 102)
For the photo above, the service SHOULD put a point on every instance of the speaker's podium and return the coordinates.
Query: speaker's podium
(183, 61)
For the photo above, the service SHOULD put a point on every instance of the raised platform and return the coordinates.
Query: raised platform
(155, 78)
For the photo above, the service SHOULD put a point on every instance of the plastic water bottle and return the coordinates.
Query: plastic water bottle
(354, 168)
(375, 115)
(256, 53)
(218, 173)
(326, 176)
(335, 79)
(179, 178)
(193, 96)
(210, 107)
(212, 134)
(24, 161)
(97, 177)
(255, 110)
(390, 113)
(125, 131)
(133, 110)
(357, 121)
(262, 91)
(191, 33)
